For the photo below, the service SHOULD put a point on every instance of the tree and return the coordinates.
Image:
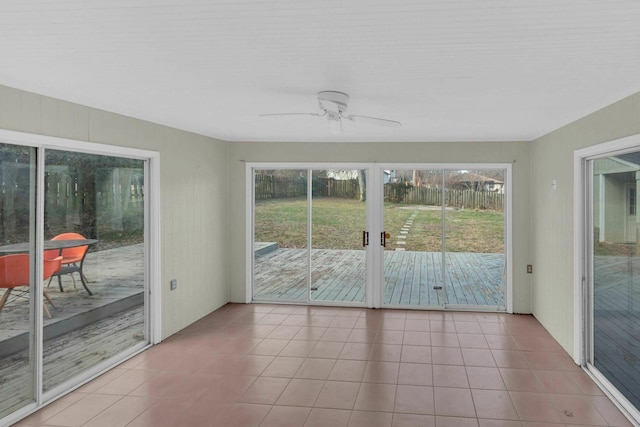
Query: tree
(362, 182)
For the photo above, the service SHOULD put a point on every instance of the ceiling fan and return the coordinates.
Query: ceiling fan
(333, 106)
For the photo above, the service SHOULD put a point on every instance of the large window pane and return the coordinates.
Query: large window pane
(99, 299)
(474, 237)
(17, 315)
(280, 240)
(413, 250)
(338, 220)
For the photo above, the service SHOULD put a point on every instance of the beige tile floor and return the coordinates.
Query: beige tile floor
(293, 366)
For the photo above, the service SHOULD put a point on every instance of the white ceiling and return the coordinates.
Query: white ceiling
(449, 70)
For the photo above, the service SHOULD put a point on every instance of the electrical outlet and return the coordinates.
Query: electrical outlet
(529, 268)
(174, 284)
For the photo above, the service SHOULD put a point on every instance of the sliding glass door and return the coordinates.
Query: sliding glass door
(73, 269)
(445, 237)
(613, 293)
(380, 235)
(309, 235)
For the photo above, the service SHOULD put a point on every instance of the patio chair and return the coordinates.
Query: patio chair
(72, 260)
(14, 273)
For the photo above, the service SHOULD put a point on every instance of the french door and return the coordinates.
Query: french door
(379, 235)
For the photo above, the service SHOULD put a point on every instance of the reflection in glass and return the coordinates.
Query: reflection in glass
(280, 235)
(99, 300)
(615, 287)
(17, 317)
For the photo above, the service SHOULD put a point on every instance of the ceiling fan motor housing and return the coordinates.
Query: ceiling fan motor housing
(333, 102)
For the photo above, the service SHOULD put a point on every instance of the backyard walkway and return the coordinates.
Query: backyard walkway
(410, 277)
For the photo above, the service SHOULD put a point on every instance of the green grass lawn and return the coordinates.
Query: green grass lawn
(338, 224)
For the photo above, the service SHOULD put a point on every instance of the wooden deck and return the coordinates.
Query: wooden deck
(68, 355)
(83, 331)
(410, 277)
(114, 275)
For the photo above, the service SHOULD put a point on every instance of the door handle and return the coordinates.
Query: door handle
(365, 238)
(383, 238)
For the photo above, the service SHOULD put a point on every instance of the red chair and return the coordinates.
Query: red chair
(72, 260)
(14, 272)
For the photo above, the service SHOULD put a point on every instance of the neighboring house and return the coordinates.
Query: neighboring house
(389, 176)
(342, 175)
(614, 198)
(474, 181)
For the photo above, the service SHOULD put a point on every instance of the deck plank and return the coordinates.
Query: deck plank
(391, 276)
(416, 282)
(429, 295)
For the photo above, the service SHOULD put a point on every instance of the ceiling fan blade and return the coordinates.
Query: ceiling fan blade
(291, 114)
(374, 120)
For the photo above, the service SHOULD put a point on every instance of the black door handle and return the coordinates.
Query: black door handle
(383, 238)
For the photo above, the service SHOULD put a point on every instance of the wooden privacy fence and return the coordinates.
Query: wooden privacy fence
(468, 199)
(278, 187)
(111, 201)
(275, 187)
(341, 189)
(116, 196)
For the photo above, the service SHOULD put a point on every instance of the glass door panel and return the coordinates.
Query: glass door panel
(474, 237)
(99, 292)
(412, 257)
(281, 256)
(17, 293)
(338, 221)
(614, 290)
